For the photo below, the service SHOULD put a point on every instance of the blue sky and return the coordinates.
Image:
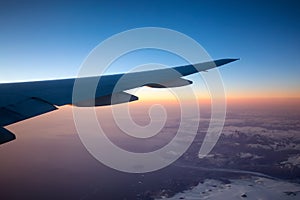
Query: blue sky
(50, 39)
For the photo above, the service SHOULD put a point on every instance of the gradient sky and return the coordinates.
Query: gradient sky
(50, 39)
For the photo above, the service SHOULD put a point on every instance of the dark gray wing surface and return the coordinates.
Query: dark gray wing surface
(20, 101)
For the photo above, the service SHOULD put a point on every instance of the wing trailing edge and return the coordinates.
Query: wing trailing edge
(25, 109)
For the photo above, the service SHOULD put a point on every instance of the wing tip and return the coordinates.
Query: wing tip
(225, 61)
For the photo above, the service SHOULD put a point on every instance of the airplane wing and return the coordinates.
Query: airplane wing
(20, 101)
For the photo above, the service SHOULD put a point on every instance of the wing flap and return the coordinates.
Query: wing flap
(6, 136)
(23, 110)
(115, 98)
(179, 82)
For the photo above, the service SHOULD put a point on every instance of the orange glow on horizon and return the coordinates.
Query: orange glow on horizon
(244, 100)
(152, 95)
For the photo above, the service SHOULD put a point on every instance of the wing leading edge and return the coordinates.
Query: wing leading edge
(20, 101)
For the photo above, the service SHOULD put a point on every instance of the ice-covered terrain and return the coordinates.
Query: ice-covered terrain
(249, 188)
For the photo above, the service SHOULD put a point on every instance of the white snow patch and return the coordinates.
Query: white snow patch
(253, 188)
(293, 160)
